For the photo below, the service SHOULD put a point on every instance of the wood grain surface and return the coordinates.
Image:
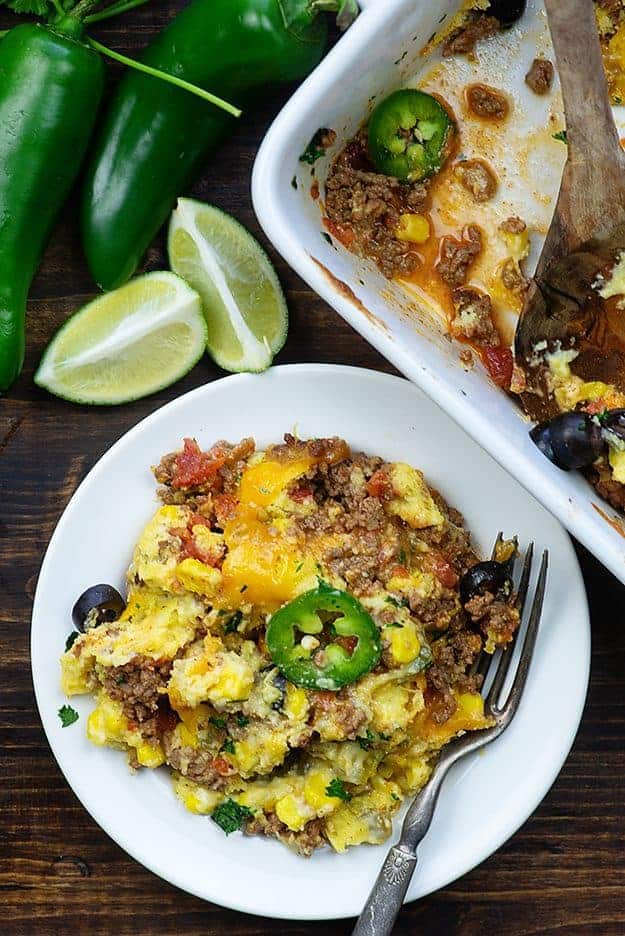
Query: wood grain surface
(563, 872)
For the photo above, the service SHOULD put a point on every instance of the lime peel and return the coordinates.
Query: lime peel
(256, 353)
(243, 301)
(127, 343)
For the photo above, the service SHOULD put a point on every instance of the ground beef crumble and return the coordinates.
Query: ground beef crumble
(496, 618)
(540, 76)
(477, 25)
(197, 764)
(339, 710)
(474, 317)
(487, 102)
(304, 842)
(456, 256)
(477, 178)
(136, 686)
(600, 476)
(368, 206)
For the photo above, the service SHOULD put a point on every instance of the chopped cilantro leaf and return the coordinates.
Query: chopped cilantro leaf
(326, 237)
(561, 136)
(218, 721)
(242, 721)
(397, 602)
(402, 557)
(316, 148)
(71, 640)
(68, 715)
(394, 624)
(243, 588)
(336, 788)
(232, 624)
(366, 742)
(395, 797)
(120, 680)
(231, 816)
(228, 746)
(299, 567)
(294, 182)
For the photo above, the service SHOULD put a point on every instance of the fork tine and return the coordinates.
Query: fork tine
(529, 643)
(498, 542)
(480, 666)
(506, 657)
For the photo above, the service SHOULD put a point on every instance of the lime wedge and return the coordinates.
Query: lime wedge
(243, 301)
(127, 343)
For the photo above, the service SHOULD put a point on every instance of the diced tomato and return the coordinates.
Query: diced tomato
(499, 363)
(595, 406)
(343, 234)
(347, 643)
(195, 467)
(199, 520)
(222, 766)
(225, 506)
(301, 493)
(190, 548)
(442, 569)
(379, 484)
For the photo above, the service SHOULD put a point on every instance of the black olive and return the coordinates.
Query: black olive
(507, 11)
(279, 681)
(570, 440)
(489, 576)
(97, 605)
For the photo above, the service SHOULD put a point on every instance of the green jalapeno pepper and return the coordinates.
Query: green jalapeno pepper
(154, 139)
(409, 133)
(50, 89)
(331, 665)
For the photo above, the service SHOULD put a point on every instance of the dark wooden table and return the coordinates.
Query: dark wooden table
(563, 872)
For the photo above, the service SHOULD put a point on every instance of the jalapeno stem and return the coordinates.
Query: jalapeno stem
(164, 76)
(346, 10)
(123, 6)
(59, 9)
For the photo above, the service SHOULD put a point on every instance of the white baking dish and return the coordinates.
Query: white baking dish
(381, 51)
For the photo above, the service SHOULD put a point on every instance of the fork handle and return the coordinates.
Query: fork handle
(387, 895)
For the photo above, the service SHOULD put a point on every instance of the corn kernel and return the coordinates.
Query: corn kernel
(292, 813)
(198, 578)
(617, 464)
(315, 791)
(150, 756)
(296, 703)
(471, 704)
(518, 244)
(405, 645)
(413, 228)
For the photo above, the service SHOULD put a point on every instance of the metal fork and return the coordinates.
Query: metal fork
(387, 895)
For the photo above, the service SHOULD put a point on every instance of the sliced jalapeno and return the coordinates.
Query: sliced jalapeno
(324, 639)
(409, 133)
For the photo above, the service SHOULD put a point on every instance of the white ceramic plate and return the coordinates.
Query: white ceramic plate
(488, 796)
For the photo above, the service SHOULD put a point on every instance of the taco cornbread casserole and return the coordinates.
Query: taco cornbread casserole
(296, 640)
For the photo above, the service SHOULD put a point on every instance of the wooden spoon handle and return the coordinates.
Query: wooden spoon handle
(592, 198)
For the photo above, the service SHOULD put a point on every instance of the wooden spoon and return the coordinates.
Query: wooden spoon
(588, 225)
